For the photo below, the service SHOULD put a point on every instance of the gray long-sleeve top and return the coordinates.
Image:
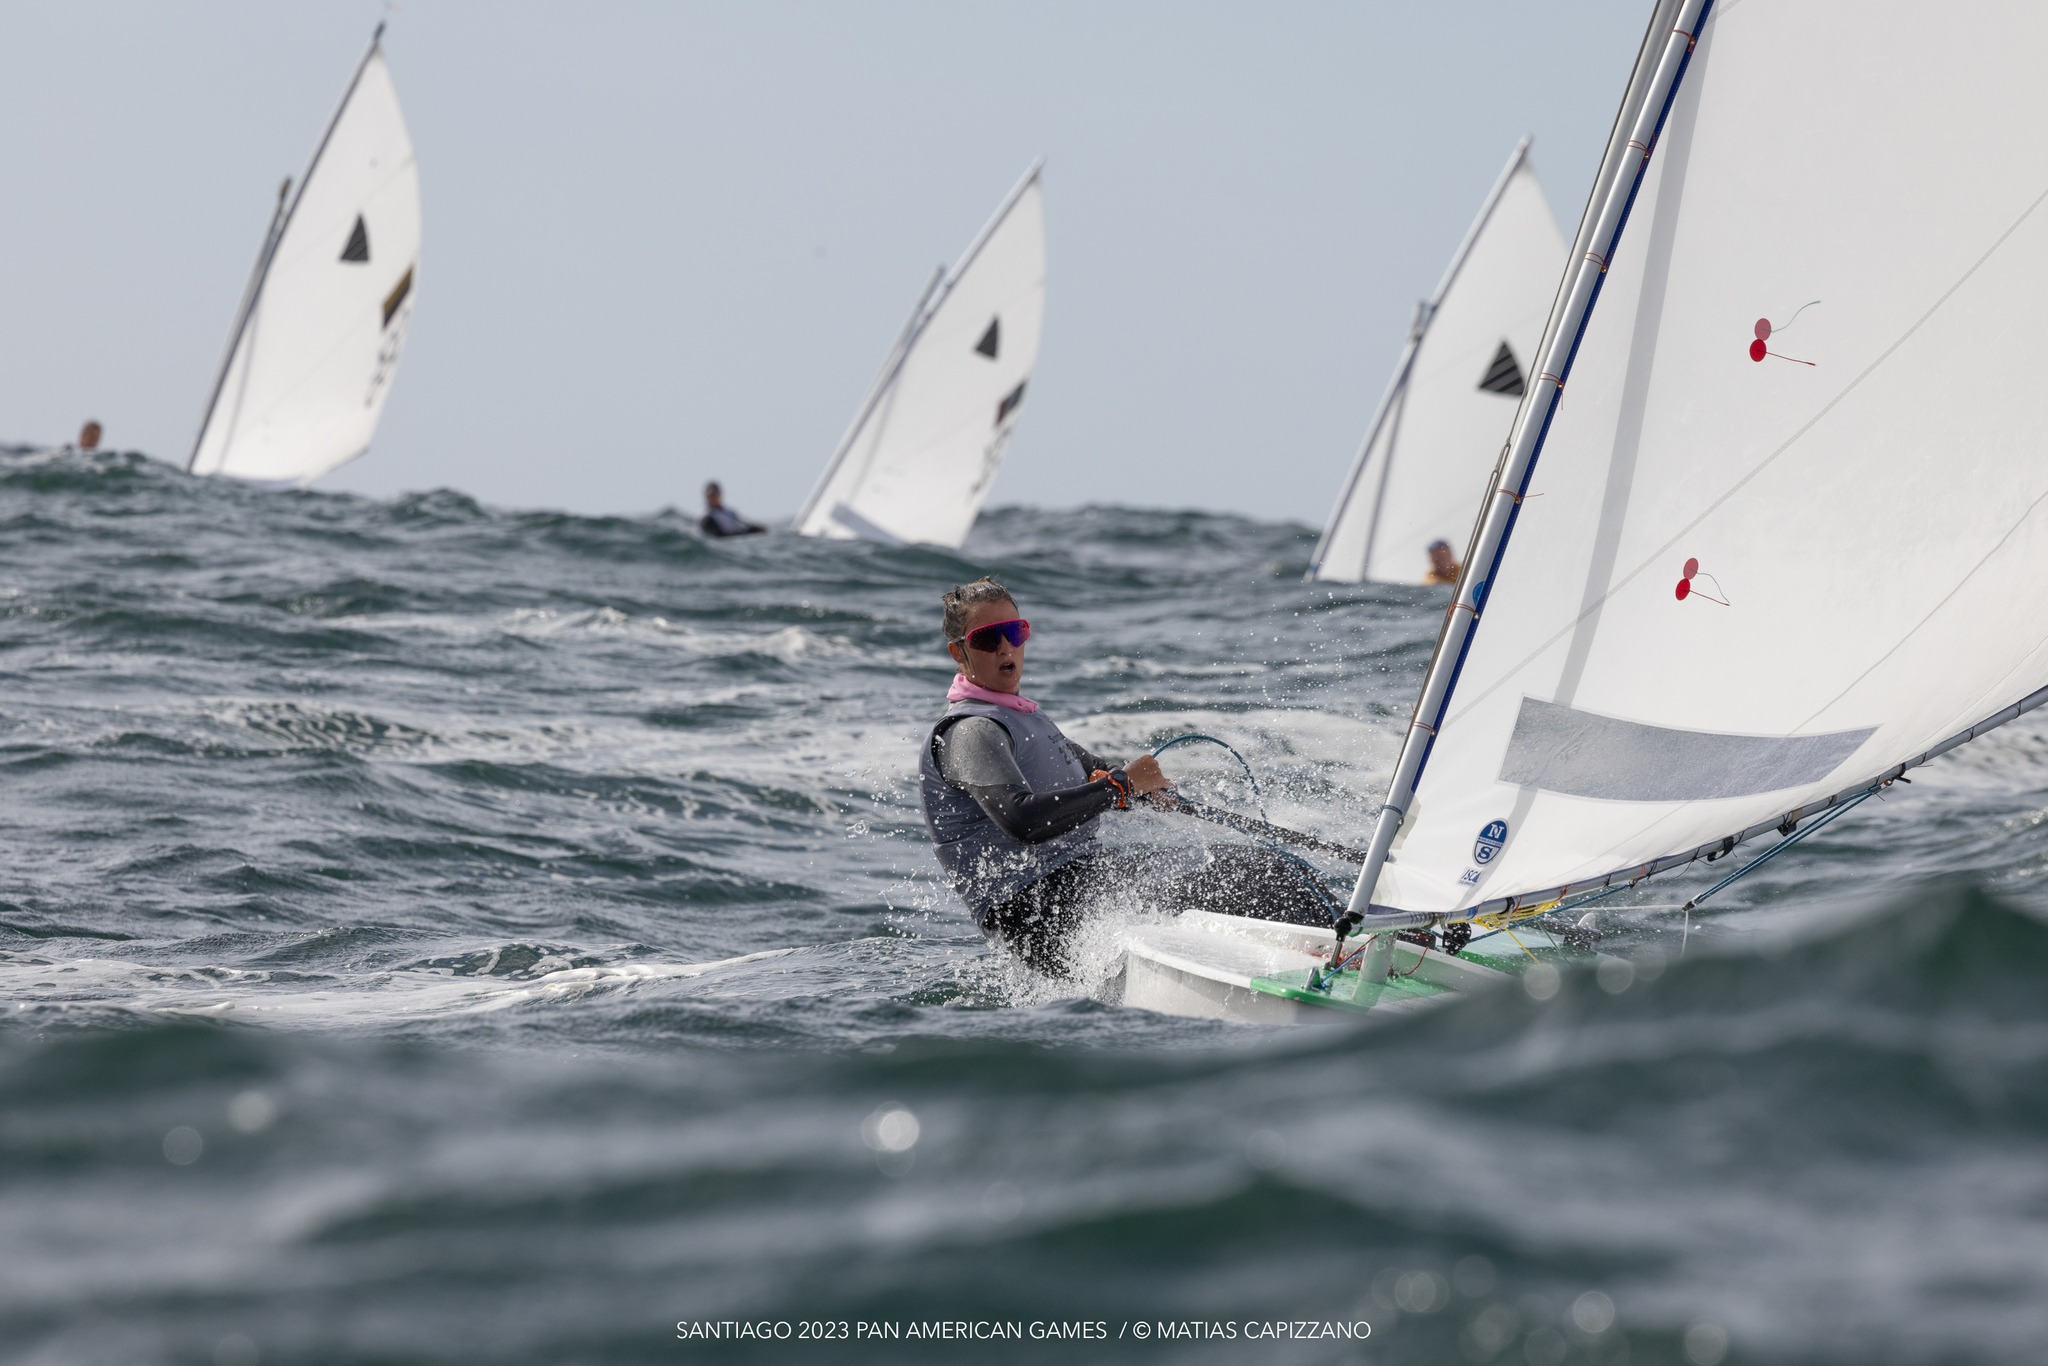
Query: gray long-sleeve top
(975, 755)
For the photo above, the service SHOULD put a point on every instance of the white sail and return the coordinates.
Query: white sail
(1778, 508)
(917, 463)
(1438, 431)
(318, 336)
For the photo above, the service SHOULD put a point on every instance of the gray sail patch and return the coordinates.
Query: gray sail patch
(1582, 754)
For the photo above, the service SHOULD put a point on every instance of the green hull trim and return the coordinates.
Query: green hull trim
(1349, 992)
(1521, 961)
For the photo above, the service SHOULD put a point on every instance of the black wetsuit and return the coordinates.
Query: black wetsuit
(975, 755)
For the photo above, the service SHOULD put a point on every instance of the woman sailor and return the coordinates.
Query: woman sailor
(1012, 807)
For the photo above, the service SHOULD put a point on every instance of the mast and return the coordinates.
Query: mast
(1660, 67)
(280, 219)
(1424, 312)
(242, 311)
(1397, 387)
(1396, 391)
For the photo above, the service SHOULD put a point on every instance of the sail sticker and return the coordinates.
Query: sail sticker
(1010, 402)
(1493, 838)
(1686, 589)
(1504, 375)
(991, 340)
(1764, 331)
(397, 295)
(357, 251)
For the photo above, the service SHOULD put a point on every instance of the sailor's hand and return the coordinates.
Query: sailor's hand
(1145, 776)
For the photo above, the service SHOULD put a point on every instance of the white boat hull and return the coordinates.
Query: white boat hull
(1208, 966)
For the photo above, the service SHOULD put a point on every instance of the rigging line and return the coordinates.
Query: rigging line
(1312, 879)
(1251, 826)
(1193, 737)
(1519, 944)
(1297, 864)
(1657, 555)
(1482, 938)
(1601, 895)
(1821, 818)
(1780, 847)
(1319, 979)
(1830, 815)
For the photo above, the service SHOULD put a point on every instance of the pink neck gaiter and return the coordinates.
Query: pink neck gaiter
(966, 690)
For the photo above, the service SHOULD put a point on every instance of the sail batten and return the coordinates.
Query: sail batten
(322, 323)
(924, 446)
(1793, 520)
(1439, 424)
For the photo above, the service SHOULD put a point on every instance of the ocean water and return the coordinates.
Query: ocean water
(434, 933)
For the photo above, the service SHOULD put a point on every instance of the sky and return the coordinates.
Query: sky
(671, 242)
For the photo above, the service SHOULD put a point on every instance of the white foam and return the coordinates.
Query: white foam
(396, 995)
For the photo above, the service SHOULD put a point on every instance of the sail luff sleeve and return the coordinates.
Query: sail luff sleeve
(1531, 425)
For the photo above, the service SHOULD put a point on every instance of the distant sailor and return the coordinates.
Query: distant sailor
(1011, 805)
(720, 520)
(1443, 566)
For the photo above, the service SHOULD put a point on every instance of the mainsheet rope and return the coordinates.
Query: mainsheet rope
(1302, 866)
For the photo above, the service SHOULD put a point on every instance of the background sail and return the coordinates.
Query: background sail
(1751, 586)
(924, 449)
(311, 361)
(1424, 467)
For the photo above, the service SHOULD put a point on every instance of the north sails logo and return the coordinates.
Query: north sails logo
(1491, 841)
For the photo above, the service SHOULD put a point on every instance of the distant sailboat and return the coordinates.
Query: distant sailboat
(319, 331)
(1792, 532)
(1446, 411)
(925, 444)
